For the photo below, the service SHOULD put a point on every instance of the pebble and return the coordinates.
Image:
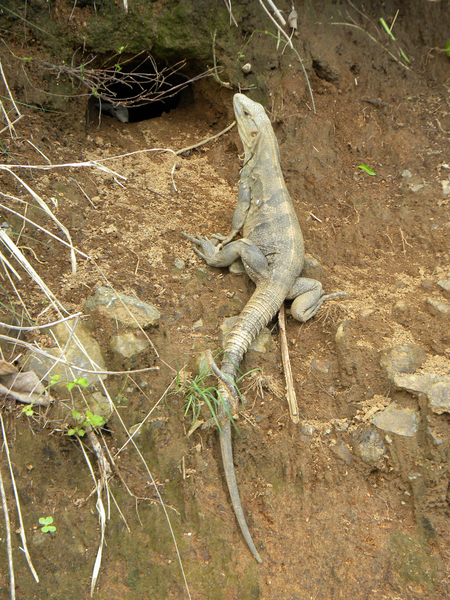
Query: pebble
(341, 451)
(402, 421)
(444, 284)
(179, 264)
(370, 446)
(128, 345)
(439, 306)
(117, 306)
(406, 358)
(84, 358)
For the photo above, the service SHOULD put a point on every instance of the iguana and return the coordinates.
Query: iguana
(273, 255)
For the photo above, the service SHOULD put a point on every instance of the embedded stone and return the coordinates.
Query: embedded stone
(402, 421)
(127, 310)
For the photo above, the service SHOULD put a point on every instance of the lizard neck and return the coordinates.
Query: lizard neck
(262, 167)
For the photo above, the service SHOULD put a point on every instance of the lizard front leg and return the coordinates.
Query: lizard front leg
(239, 216)
(254, 261)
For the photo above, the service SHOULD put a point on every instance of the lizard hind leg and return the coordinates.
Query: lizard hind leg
(308, 298)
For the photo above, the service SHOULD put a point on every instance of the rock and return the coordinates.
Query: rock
(436, 387)
(179, 264)
(127, 310)
(437, 306)
(370, 446)
(322, 366)
(445, 284)
(98, 405)
(247, 68)
(341, 451)
(198, 324)
(260, 344)
(439, 396)
(407, 174)
(406, 358)
(128, 345)
(402, 421)
(445, 187)
(427, 284)
(86, 355)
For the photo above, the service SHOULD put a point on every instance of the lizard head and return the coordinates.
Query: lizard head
(251, 120)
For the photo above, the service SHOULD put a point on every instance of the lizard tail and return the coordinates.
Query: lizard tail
(227, 458)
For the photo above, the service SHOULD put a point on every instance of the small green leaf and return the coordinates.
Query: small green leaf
(404, 56)
(388, 31)
(48, 528)
(71, 431)
(76, 415)
(54, 379)
(46, 520)
(447, 48)
(81, 432)
(366, 169)
(96, 420)
(28, 410)
(79, 381)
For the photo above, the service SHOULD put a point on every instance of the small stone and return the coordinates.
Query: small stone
(445, 187)
(127, 310)
(260, 344)
(82, 355)
(179, 264)
(427, 284)
(98, 405)
(341, 451)
(407, 174)
(406, 358)
(323, 366)
(439, 396)
(128, 345)
(437, 306)
(444, 284)
(370, 446)
(437, 440)
(247, 68)
(402, 421)
(198, 324)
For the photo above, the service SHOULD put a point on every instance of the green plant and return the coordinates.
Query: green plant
(85, 420)
(28, 409)
(199, 393)
(81, 381)
(47, 524)
(366, 169)
(447, 48)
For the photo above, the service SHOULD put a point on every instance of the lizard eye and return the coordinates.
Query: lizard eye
(246, 113)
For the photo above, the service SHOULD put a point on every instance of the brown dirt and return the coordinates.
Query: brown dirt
(326, 527)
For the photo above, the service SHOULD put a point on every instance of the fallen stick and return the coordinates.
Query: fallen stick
(290, 391)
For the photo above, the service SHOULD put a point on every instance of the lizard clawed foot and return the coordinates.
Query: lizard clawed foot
(209, 251)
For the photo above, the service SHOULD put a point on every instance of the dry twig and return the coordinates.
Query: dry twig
(290, 391)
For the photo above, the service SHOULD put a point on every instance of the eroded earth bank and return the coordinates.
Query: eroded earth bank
(351, 502)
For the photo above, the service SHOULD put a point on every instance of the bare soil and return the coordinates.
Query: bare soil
(327, 525)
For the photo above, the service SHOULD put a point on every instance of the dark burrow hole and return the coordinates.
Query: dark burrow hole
(137, 89)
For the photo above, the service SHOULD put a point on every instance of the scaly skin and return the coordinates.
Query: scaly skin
(273, 255)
